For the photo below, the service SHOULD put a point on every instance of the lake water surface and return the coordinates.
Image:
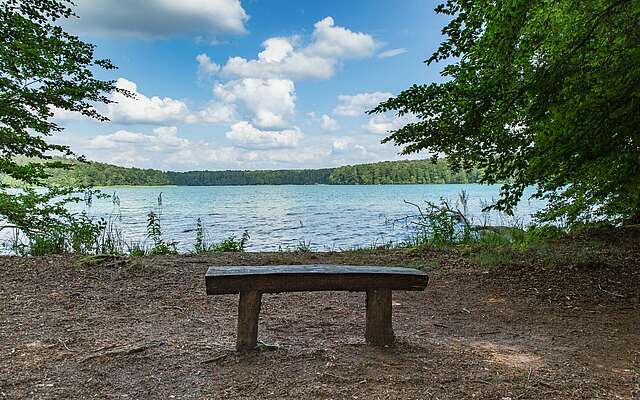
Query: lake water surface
(279, 217)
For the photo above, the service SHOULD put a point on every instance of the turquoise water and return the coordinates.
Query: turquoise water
(324, 217)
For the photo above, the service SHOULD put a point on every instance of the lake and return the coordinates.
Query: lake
(325, 217)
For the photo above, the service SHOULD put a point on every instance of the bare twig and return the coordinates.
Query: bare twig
(611, 293)
(216, 358)
(65, 345)
(416, 206)
(124, 350)
(174, 308)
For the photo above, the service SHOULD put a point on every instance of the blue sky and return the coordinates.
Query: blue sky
(251, 84)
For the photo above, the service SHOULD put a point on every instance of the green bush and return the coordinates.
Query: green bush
(80, 236)
(40, 245)
(440, 225)
(540, 233)
(231, 244)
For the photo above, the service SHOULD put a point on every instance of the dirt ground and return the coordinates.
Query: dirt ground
(144, 328)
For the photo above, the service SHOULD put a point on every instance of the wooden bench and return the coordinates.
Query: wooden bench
(251, 282)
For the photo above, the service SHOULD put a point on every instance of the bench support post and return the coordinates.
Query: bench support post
(248, 313)
(379, 331)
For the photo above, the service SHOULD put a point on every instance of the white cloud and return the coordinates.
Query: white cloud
(206, 67)
(162, 149)
(159, 18)
(287, 159)
(349, 150)
(101, 142)
(248, 148)
(270, 100)
(392, 53)
(357, 105)
(328, 124)
(275, 50)
(127, 137)
(245, 135)
(341, 144)
(297, 66)
(112, 140)
(164, 139)
(214, 113)
(383, 124)
(282, 58)
(335, 41)
(61, 116)
(141, 109)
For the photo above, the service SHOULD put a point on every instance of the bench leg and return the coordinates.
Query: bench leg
(379, 329)
(248, 313)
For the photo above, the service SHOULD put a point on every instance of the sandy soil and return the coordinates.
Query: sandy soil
(144, 328)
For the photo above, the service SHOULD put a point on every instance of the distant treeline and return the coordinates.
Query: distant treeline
(393, 172)
(388, 172)
(100, 174)
(276, 177)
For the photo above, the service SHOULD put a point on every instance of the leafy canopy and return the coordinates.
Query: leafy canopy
(42, 69)
(542, 93)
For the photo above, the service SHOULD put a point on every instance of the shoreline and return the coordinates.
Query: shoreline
(282, 184)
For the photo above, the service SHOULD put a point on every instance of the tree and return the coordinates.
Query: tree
(42, 69)
(542, 93)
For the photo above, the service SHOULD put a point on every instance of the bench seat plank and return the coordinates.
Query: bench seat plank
(316, 277)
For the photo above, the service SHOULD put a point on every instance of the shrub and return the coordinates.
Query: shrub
(40, 245)
(231, 244)
(440, 225)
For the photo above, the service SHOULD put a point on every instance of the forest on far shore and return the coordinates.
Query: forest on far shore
(387, 172)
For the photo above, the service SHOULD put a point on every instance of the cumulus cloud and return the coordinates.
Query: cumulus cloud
(245, 135)
(164, 139)
(341, 145)
(270, 100)
(112, 140)
(206, 67)
(247, 148)
(159, 18)
(283, 57)
(382, 124)
(335, 41)
(141, 109)
(61, 116)
(154, 110)
(349, 150)
(357, 105)
(328, 124)
(164, 148)
(392, 53)
(214, 113)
